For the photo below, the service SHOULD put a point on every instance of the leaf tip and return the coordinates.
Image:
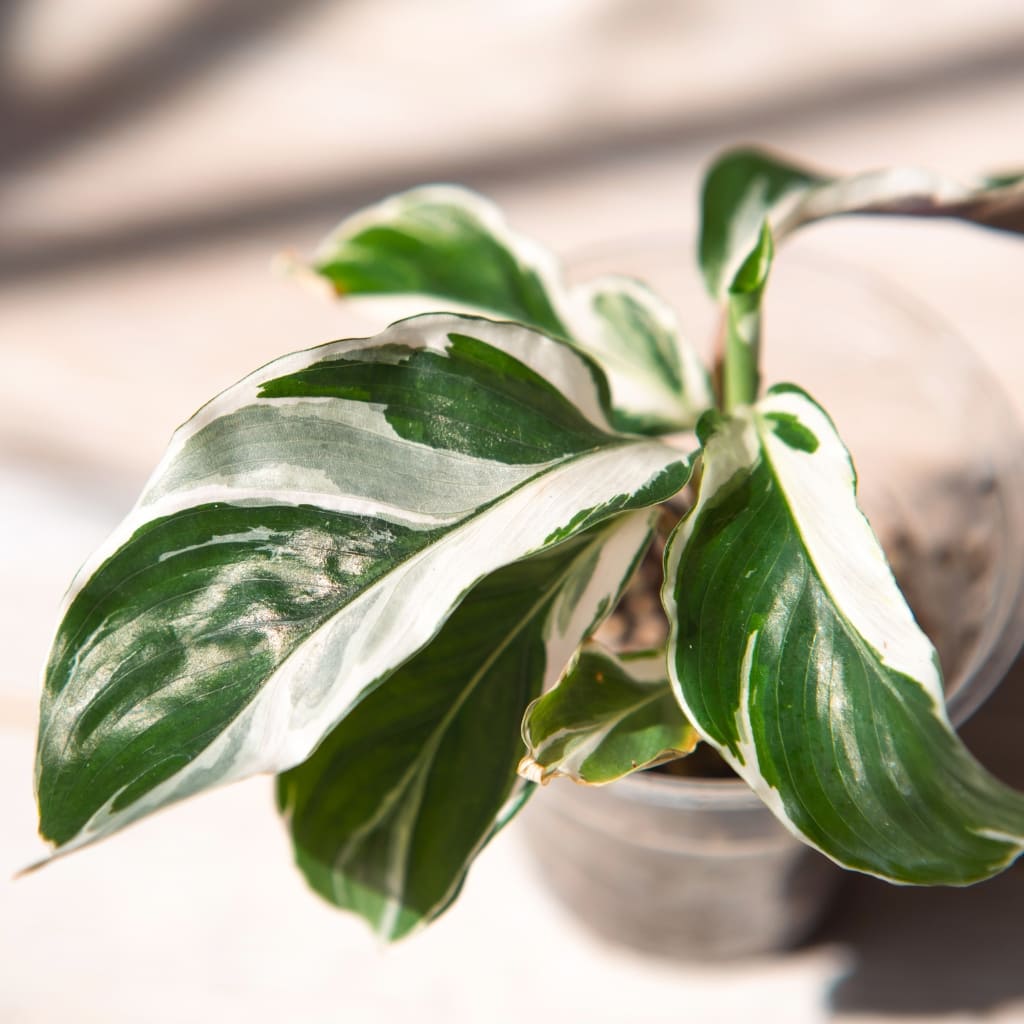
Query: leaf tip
(289, 263)
(46, 857)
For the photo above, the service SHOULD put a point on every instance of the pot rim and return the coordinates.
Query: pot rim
(693, 793)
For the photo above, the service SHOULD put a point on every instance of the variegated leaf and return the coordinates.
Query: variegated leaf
(446, 243)
(746, 187)
(794, 653)
(609, 716)
(308, 531)
(741, 191)
(390, 810)
(451, 245)
(657, 382)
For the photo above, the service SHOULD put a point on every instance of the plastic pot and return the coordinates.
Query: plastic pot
(699, 868)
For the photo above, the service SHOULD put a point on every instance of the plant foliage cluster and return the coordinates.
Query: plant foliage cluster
(374, 569)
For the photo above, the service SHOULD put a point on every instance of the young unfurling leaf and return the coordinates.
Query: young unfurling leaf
(609, 716)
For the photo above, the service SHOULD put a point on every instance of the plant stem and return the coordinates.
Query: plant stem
(740, 377)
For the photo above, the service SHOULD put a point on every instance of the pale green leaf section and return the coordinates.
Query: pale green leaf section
(794, 653)
(609, 716)
(441, 244)
(393, 806)
(308, 532)
(741, 378)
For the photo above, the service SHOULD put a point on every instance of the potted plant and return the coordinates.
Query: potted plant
(362, 565)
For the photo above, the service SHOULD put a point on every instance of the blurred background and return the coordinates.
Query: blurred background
(155, 155)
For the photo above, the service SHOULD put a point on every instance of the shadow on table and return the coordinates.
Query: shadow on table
(931, 951)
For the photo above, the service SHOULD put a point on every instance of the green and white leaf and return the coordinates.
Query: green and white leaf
(657, 382)
(742, 190)
(794, 653)
(446, 244)
(308, 532)
(392, 807)
(443, 242)
(609, 716)
(745, 187)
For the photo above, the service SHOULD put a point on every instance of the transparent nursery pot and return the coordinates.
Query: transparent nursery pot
(699, 868)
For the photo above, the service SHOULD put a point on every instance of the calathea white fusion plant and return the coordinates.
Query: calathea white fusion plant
(361, 565)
